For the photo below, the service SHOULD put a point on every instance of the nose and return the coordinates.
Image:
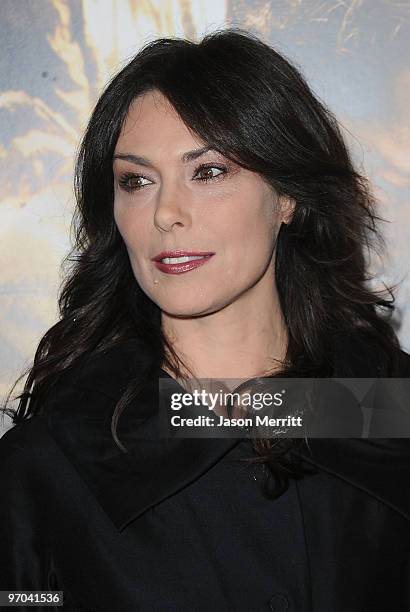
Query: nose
(172, 207)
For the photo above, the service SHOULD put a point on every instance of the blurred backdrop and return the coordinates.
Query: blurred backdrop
(56, 56)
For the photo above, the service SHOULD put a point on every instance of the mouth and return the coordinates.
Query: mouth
(173, 256)
(178, 262)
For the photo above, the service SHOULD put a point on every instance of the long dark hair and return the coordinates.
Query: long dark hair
(249, 102)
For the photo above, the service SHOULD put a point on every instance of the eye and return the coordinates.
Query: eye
(133, 182)
(207, 172)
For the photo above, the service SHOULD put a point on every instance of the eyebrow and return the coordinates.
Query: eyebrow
(144, 161)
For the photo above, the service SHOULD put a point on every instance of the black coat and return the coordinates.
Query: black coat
(179, 525)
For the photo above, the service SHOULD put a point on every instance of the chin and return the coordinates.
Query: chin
(184, 310)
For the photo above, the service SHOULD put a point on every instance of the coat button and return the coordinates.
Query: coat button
(279, 603)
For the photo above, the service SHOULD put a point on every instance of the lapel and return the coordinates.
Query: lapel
(128, 484)
(379, 466)
(125, 484)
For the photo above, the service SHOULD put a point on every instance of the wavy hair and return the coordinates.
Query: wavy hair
(247, 101)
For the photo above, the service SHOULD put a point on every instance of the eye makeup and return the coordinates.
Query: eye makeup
(128, 181)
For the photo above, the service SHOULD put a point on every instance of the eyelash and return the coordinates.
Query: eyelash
(123, 181)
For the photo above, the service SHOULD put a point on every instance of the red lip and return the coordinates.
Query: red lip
(164, 254)
(180, 268)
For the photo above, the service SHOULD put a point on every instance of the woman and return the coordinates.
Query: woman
(217, 153)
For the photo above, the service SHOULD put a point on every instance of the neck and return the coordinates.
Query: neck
(241, 340)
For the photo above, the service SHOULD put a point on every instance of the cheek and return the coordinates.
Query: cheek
(247, 252)
(254, 235)
(131, 229)
(120, 219)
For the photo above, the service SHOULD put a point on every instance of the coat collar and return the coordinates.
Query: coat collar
(380, 467)
(127, 484)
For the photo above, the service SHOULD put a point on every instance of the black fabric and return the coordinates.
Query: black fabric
(181, 524)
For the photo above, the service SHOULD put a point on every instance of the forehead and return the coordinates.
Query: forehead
(153, 122)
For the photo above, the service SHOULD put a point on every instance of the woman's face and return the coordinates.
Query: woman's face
(164, 204)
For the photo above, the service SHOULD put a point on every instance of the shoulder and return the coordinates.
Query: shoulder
(404, 364)
(29, 436)
(379, 467)
(28, 454)
(78, 407)
(83, 395)
(91, 387)
(107, 372)
(357, 354)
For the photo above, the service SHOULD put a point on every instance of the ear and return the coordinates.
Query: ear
(287, 208)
